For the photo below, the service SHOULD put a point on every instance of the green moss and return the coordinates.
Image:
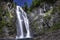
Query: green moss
(49, 12)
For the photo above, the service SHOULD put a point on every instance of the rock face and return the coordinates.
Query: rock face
(42, 18)
(7, 28)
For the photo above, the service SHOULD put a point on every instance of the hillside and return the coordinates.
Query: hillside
(43, 15)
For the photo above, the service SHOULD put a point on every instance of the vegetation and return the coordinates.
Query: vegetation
(55, 27)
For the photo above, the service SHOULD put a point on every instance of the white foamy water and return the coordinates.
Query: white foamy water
(22, 17)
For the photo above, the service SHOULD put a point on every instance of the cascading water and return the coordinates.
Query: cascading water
(22, 18)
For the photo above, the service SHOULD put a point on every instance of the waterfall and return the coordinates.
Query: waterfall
(22, 18)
